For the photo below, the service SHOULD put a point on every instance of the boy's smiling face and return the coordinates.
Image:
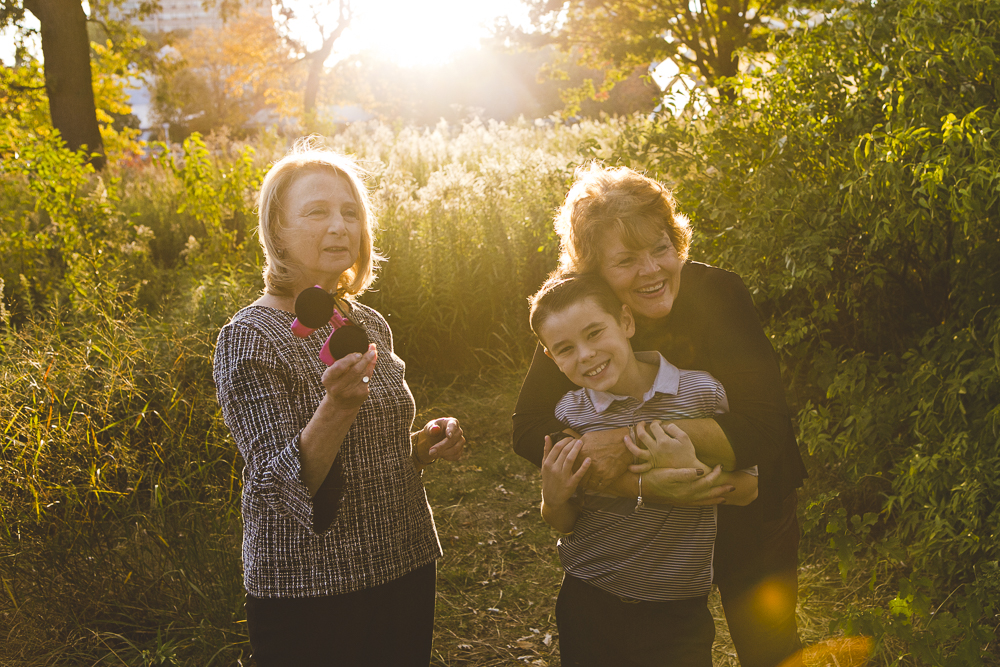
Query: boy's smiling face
(590, 346)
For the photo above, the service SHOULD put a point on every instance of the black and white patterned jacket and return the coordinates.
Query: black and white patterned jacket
(370, 523)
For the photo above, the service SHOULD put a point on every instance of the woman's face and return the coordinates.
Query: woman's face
(647, 279)
(322, 233)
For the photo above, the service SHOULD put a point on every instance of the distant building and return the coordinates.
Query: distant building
(187, 14)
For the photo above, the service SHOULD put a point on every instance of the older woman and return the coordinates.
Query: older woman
(339, 544)
(622, 225)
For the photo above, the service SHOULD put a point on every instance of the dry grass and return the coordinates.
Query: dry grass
(162, 586)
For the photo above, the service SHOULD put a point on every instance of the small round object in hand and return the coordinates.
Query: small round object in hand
(365, 379)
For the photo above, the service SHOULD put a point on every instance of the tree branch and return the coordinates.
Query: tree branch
(691, 41)
(712, 27)
(100, 22)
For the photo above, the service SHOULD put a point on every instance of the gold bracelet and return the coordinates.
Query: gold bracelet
(416, 457)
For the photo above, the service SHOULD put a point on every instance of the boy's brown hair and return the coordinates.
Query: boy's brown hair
(561, 290)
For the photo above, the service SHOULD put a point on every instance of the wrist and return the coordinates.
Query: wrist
(420, 440)
(415, 455)
(560, 517)
(554, 506)
(331, 409)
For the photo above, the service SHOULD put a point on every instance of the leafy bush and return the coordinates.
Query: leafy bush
(854, 188)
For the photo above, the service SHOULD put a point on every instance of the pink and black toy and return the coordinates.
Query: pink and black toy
(314, 308)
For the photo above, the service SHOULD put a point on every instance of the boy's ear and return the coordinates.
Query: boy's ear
(627, 321)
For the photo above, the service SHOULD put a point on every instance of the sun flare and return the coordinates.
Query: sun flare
(421, 34)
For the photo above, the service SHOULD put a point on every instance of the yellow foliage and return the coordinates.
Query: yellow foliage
(244, 69)
(111, 73)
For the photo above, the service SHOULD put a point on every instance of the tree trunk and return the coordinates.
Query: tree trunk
(318, 58)
(68, 83)
(732, 34)
(316, 61)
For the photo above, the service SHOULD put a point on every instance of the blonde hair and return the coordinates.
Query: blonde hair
(309, 155)
(616, 199)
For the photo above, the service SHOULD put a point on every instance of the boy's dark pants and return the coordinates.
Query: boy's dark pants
(755, 569)
(598, 629)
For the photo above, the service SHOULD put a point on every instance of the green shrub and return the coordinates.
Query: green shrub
(854, 187)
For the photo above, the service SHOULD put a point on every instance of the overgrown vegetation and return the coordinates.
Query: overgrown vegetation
(853, 185)
(855, 189)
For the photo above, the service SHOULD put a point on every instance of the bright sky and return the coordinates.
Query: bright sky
(409, 32)
(427, 32)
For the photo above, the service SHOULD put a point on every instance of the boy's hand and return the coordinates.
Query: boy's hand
(559, 482)
(670, 448)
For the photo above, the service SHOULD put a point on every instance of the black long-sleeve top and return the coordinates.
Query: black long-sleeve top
(713, 326)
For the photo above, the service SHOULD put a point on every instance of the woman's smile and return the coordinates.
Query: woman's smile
(652, 289)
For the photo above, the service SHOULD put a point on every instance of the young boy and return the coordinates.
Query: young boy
(637, 574)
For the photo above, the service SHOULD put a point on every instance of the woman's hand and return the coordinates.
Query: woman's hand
(609, 459)
(439, 439)
(346, 381)
(671, 471)
(685, 486)
(665, 448)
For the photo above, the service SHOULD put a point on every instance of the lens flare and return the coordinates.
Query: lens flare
(772, 598)
(839, 652)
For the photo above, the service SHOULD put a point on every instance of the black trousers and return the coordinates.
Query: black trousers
(598, 629)
(756, 564)
(390, 625)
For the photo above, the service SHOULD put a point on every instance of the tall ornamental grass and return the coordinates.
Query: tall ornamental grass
(119, 485)
(466, 221)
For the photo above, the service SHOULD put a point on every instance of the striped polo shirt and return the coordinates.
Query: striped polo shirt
(658, 552)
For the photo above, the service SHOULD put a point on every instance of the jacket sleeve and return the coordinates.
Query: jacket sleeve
(255, 395)
(534, 414)
(742, 358)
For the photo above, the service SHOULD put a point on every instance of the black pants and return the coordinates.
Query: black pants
(390, 625)
(598, 629)
(756, 563)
